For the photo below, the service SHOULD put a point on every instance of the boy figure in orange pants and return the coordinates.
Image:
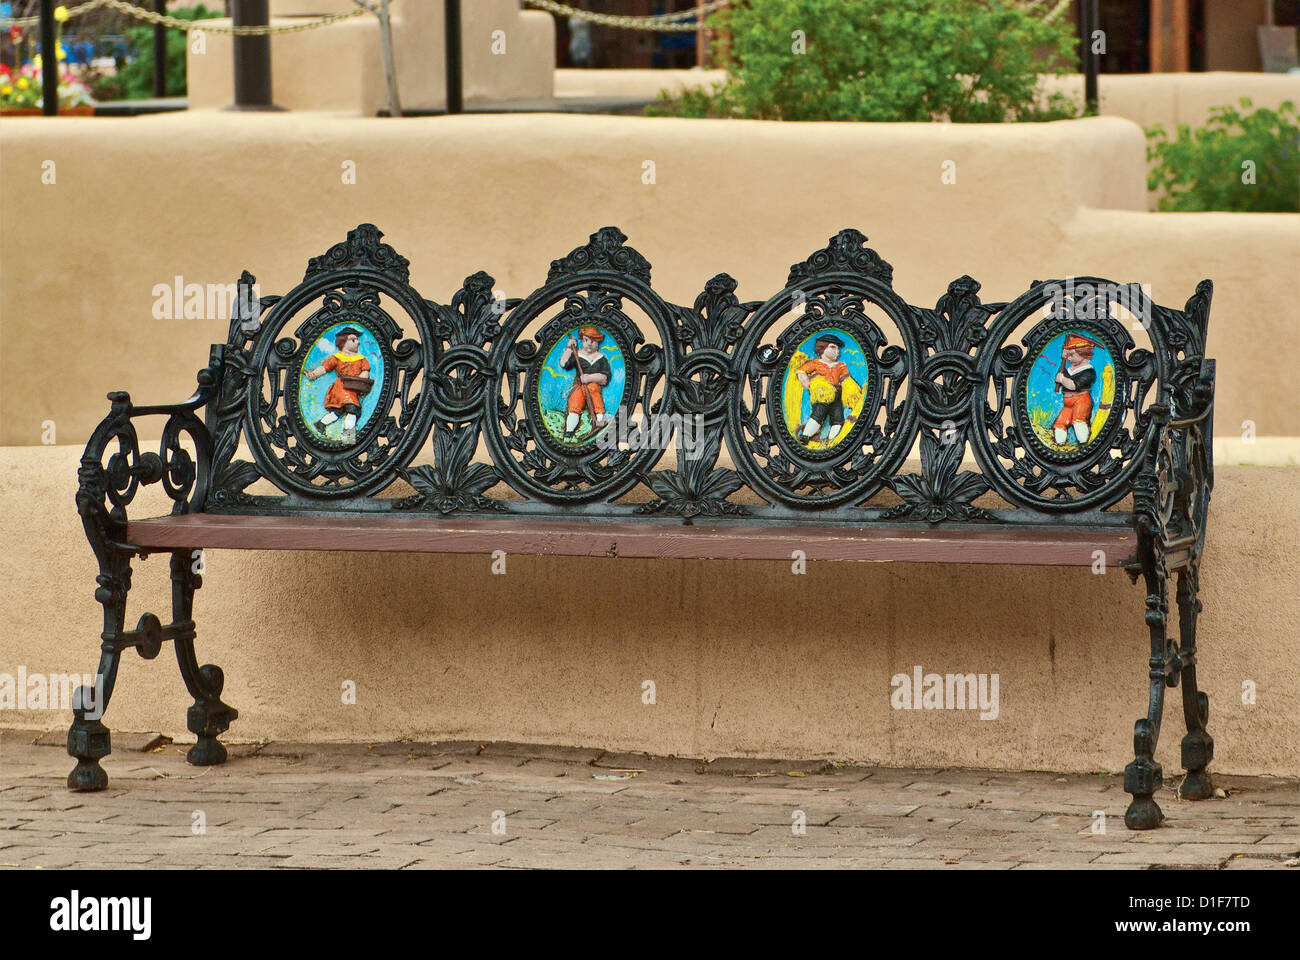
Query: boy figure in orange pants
(594, 373)
(1075, 380)
(339, 400)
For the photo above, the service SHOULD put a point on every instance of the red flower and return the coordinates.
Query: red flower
(15, 34)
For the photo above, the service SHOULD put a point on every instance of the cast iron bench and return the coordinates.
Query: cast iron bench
(1086, 408)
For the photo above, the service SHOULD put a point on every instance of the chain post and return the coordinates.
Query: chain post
(386, 46)
(455, 78)
(252, 56)
(160, 52)
(49, 55)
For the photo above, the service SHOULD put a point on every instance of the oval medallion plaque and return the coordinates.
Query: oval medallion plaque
(824, 388)
(340, 384)
(580, 385)
(1067, 394)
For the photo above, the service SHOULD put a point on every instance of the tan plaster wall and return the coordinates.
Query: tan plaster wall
(339, 67)
(314, 69)
(575, 82)
(746, 657)
(317, 8)
(206, 194)
(1173, 98)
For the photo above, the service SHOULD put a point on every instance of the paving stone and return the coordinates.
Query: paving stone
(1048, 857)
(540, 753)
(373, 806)
(962, 865)
(1244, 863)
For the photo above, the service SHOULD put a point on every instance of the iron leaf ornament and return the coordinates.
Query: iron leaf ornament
(452, 483)
(696, 488)
(939, 492)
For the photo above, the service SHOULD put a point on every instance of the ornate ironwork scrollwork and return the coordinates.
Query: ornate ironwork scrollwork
(963, 376)
(357, 437)
(552, 454)
(1015, 449)
(798, 448)
(804, 432)
(113, 470)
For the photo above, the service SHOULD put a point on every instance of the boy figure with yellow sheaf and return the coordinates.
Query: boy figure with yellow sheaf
(340, 401)
(1075, 380)
(827, 397)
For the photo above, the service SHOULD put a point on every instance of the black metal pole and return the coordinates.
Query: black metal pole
(160, 52)
(1091, 23)
(252, 56)
(455, 81)
(49, 62)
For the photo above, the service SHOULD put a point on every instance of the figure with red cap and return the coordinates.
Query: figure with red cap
(343, 399)
(1075, 380)
(592, 375)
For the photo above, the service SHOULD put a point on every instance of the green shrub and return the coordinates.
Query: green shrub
(969, 61)
(1211, 168)
(135, 79)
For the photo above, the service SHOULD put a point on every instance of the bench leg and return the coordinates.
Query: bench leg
(88, 738)
(1198, 745)
(208, 718)
(1144, 776)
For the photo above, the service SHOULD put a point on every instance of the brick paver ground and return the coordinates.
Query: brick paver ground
(413, 805)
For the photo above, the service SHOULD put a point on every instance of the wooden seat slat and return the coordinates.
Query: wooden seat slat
(637, 538)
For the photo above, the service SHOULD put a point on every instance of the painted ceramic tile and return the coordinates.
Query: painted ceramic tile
(825, 385)
(1070, 391)
(342, 379)
(581, 384)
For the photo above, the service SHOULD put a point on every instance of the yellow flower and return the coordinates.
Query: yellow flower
(36, 60)
(61, 14)
(63, 54)
(22, 83)
(7, 90)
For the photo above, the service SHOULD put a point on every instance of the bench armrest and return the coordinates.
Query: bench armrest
(113, 468)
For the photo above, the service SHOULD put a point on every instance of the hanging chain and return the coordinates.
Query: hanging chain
(663, 22)
(176, 23)
(35, 21)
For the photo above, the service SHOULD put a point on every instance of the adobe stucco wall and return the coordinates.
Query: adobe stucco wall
(746, 657)
(508, 53)
(206, 194)
(742, 659)
(1173, 98)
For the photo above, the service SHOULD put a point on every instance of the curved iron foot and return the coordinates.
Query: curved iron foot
(1198, 745)
(88, 742)
(1142, 778)
(1198, 749)
(88, 738)
(208, 718)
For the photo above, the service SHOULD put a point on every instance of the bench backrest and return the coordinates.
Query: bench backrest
(818, 395)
